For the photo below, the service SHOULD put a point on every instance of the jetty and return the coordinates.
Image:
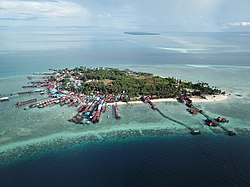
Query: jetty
(147, 100)
(115, 108)
(25, 92)
(153, 106)
(29, 86)
(192, 130)
(90, 110)
(209, 120)
(212, 121)
(25, 102)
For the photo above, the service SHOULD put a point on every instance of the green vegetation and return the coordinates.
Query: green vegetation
(131, 84)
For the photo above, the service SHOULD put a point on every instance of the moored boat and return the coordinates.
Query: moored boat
(4, 98)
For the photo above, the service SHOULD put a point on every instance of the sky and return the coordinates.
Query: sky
(129, 15)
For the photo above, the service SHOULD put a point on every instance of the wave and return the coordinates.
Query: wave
(198, 66)
(216, 66)
(181, 50)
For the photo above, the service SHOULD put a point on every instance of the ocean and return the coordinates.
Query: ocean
(152, 161)
(40, 148)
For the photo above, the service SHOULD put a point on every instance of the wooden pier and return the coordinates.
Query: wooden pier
(192, 130)
(229, 132)
(153, 106)
(189, 104)
(115, 108)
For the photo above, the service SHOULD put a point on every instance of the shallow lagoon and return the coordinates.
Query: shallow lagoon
(46, 126)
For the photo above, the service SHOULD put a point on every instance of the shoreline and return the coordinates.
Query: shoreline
(22, 149)
(209, 99)
(63, 133)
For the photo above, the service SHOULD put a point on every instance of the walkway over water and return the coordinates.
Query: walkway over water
(190, 105)
(229, 132)
(193, 131)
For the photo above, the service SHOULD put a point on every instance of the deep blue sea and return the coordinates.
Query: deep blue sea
(153, 161)
(210, 159)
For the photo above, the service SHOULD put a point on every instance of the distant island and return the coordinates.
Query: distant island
(142, 33)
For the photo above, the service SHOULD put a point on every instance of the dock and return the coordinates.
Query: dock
(21, 103)
(209, 120)
(216, 123)
(192, 130)
(153, 106)
(115, 108)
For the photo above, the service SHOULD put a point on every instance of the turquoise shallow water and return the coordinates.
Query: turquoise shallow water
(21, 127)
(43, 140)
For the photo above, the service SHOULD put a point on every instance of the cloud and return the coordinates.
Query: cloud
(237, 24)
(20, 10)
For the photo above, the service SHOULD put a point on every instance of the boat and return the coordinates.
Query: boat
(4, 98)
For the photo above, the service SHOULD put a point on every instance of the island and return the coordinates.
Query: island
(126, 85)
(75, 100)
(92, 89)
(142, 33)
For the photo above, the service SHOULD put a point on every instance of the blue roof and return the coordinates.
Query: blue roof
(53, 91)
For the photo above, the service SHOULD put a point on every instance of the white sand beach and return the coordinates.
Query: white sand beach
(209, 98)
